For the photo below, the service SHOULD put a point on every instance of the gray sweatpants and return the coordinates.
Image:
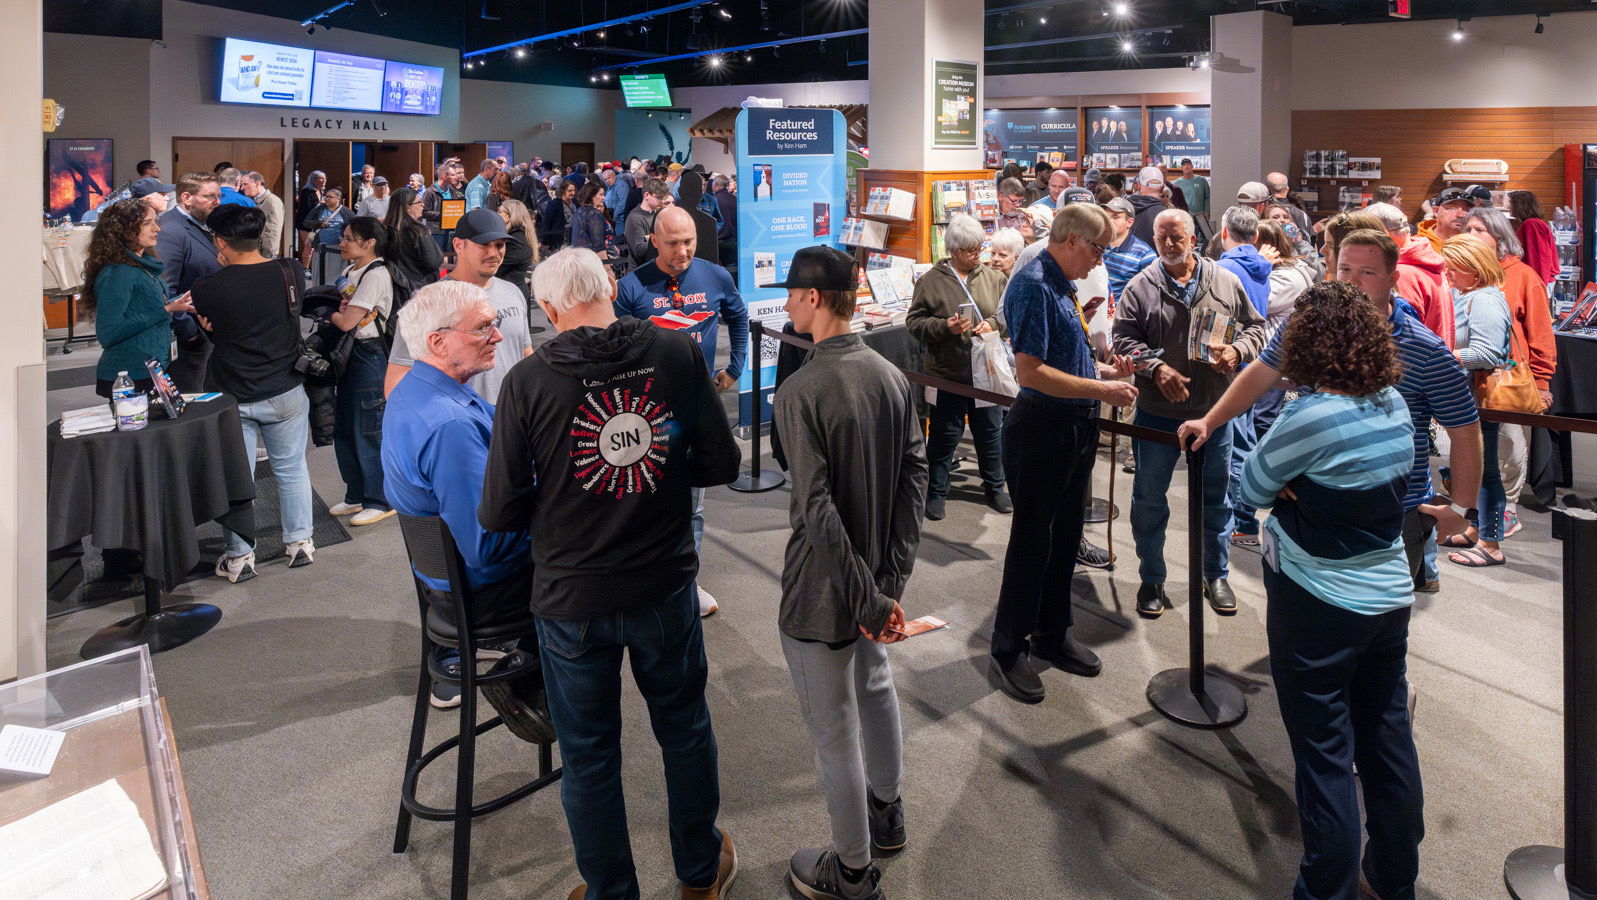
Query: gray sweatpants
(849, 703)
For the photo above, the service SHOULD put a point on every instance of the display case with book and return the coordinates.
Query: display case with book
(92, 802)
(949, 191)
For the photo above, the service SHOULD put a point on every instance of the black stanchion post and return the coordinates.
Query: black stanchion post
(755, 481)
(1192, 696)
(1538, 872)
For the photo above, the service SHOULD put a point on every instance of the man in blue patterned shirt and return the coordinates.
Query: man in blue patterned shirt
(1050, 442)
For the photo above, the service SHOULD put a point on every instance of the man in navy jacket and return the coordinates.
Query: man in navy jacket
(186, 248)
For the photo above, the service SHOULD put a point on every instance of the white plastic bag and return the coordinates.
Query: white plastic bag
(991, 368)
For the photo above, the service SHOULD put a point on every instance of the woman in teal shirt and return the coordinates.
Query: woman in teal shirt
(1334, 467)
(123, 289)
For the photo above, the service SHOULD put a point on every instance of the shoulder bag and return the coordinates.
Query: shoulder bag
(1510, 388)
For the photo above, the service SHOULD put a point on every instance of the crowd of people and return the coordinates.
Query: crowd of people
(1319, 366)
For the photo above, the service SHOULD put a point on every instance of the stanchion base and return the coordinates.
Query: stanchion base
(1537, 873)
(1220, 705)
(1101, 511)
(749, 483)
(173, 626)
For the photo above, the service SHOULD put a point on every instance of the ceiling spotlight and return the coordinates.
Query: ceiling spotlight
(311, 30)
(1042, 20)
(715, 62)
(748, 57)
(1540, 28)
(1458, 33)
(725, 13)
(643, 29)
(521, 53)
(1126, 46)
(604, 76)
(601, 35)
(593, 79)
(1122, 9)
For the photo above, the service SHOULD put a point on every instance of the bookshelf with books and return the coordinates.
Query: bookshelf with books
(914, 237)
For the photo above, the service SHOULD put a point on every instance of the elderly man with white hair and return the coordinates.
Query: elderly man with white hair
(1161, 307)
(599, 440)
(435, 453)
(956, 300)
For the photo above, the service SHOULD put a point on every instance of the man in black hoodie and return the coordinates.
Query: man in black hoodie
(598, 439)
(1149, 201)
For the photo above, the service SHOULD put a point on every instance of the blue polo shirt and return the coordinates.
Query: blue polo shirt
(1434, 385)
(1044, 321)
(704, 287)
(435, 450)
(1122, 262)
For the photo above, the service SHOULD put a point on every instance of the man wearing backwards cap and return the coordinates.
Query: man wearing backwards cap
(856, 456)
(1149, 201)
(152, 191)
(1448, 211)
(479, 241)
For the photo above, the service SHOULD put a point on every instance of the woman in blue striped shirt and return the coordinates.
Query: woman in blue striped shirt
(1481, 323)
(1333, 468)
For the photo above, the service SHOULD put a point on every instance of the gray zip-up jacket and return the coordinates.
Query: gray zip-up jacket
(857, 458)
(1152, 315)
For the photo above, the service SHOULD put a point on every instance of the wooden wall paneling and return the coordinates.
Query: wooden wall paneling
(1414, 143)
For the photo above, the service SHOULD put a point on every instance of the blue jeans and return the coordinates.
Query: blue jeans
(358, 426)
(948, 426)
(582, 675)
(284, 422)
(698, 533)
(1150, 507)
(1493, 499)
(1244, 438)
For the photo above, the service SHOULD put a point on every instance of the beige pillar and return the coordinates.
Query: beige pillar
(905, 37)
(1251, 84)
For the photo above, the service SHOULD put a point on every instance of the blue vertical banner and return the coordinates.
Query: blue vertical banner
(792, 167)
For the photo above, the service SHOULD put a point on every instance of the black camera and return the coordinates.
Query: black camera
(312, 361)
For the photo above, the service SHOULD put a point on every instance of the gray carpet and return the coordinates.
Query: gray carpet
(291, 717)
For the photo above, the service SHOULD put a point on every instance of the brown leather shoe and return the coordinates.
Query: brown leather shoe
(578, 892)
(723, 877)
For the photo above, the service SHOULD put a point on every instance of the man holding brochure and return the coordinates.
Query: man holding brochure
(856, 456)
(1199, 317)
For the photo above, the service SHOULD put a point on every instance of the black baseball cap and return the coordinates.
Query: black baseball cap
(144, 187)
(481, 226)
(1455, 195)
(1479, 193)
(822, 268)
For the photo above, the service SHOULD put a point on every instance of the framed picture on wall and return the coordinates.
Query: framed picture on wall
(78, 176)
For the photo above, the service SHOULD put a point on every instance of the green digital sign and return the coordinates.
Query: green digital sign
(645, 90)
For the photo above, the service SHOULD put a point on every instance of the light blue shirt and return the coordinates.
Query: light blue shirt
(1480, 328)
(477, 192)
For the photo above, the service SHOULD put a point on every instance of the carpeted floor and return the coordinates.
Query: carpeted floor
(291, 718)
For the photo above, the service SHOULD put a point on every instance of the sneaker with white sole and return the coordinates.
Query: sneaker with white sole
(370, 516)
(300, 553)
(344, 509)
(236, 568)
(707, 604)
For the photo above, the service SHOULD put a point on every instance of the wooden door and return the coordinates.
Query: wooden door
(200, 154)
(331, 157)
(470, 155)
(571, 154)
(397, 161)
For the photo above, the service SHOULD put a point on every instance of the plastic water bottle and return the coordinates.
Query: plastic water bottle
(131, 405)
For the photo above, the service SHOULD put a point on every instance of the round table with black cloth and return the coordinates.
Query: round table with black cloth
(147, 491)
(893, 342)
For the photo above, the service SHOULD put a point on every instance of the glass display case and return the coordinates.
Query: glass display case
(117, 748)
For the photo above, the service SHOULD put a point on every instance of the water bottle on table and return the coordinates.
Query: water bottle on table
(131, 405)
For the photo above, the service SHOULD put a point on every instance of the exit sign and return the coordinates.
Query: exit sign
(1398, 9)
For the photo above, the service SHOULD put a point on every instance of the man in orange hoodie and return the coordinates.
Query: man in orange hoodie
(1419, 273)
(1448, 211)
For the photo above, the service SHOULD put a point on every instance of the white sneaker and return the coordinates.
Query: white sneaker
(236, 568)
(344, 509)
(707, 604)
(300, 553)
(370, 516)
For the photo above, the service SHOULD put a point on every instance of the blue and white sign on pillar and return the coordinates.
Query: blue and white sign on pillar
(792, 190)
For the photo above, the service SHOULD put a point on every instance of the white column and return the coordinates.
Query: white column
(1252, 100)
(22, 446)
(905, 36)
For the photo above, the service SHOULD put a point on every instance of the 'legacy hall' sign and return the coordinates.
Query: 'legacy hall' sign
(790, 132)
(319, 124)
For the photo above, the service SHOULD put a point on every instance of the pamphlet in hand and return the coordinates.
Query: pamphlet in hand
(922, 625)
(1210, 327)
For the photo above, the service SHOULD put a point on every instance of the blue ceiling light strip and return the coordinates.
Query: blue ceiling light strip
(317, 19)
(608, 23)
(739, 49)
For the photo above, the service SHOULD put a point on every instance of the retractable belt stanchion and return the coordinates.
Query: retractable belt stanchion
(755, 481)
(1192, 696)
(1548, 873)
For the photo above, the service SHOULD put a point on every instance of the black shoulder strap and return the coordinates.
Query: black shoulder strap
(292, 288)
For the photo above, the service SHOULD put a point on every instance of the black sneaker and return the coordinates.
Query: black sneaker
(1071, 655)
(818, 875)
(998, 499)
(887, 823)
(1018, 681)
(444, 694)
(1094, 557)
(935, 508)
(521, 701)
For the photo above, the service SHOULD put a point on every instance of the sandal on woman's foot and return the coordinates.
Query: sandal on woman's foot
(1475, 558)
(1459, 541)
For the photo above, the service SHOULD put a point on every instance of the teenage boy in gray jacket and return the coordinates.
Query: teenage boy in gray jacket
(855, 453)
(1161, 307)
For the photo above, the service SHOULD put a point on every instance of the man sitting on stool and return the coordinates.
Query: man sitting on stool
(1158, 311)
(435, 450)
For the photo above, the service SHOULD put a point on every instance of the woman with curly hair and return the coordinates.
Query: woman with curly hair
(123, 289)
(1334, 468)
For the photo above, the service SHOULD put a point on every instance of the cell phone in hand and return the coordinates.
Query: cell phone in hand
(972, 314)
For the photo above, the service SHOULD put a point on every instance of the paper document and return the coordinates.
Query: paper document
(29, 751)
(1210, 327)
(92, 844)
(922, 625)
(92, 420)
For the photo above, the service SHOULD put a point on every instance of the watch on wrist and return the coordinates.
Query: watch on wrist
(1470, 515)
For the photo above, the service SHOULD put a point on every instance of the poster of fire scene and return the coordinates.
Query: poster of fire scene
(80, 176)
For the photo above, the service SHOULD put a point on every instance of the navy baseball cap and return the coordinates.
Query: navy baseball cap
(144, 187)
(822, 268)
(482, 226)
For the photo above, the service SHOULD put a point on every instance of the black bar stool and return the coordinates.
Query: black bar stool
(433, 553)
